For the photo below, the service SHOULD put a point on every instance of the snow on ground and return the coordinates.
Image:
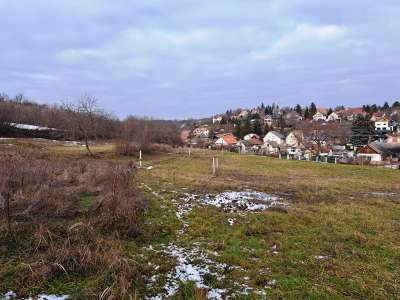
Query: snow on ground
(193, 265)
(11, 295)
(29, 127)
(321, 257)
(231, 201)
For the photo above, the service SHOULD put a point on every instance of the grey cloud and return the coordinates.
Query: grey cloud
(177, 59)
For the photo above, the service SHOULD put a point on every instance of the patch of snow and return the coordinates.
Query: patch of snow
(321, 257)
(186, 270)
(231, 221)
(149, 168)
(11, 295)
(29, 127)
(247, 200)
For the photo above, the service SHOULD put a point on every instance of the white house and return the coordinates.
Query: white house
(383, 123)
(250, 136)
(294, 138)
(274, 136)
(319, 116)
(201, 132)
(333, 117)
(268, 120)
(217, 119)
(227, 139)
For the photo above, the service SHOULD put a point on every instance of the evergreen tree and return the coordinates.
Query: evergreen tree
(386, 106)
(298, 109)
(396, 104)
(329, 111)
(257, 128)
(362, 131)
(306, 113)
(313, 109)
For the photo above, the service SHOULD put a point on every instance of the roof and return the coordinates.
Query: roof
(385, 148)
(276, 133)
(322, 110)
(229, 138)
(351, 111)
(381, 119)
(273, 144)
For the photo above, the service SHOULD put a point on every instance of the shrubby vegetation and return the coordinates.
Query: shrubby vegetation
(85, 120)
(66, 216)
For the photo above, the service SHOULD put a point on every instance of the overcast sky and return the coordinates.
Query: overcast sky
(181, 58)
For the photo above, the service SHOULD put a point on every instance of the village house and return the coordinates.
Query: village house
(294, 139)
(333, 117)
(350, 114)
(226, 140)
(201, 132)
(243, 114)
(319, 116)
(273, 141)
(217, 119)
(268, 120)
(382, 124)
(251, 145)
(376, 152)
(250, 136)
(274, 136)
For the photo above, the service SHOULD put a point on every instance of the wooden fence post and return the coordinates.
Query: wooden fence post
(213, 165)
(140, 158)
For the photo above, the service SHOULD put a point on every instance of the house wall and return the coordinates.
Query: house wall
(291, 140)
(373, 157)
(270, 137)
(382, 125)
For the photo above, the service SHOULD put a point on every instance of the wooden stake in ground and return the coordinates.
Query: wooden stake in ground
(140, 158)
(213, 166)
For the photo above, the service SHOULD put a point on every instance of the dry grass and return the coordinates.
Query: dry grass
(63, 217)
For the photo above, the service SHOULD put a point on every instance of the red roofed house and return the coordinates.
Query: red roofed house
(350, 114)
(227, 139)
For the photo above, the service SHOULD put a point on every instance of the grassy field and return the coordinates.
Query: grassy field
(338, 239)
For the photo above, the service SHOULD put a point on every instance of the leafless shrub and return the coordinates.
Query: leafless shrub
(126, 148)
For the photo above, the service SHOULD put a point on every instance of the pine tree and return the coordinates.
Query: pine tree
(306, 113)
(362, 131)
(313, 109)
(386, 106)
(298, 109)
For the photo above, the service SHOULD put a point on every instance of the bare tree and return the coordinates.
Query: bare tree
(83, 117)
